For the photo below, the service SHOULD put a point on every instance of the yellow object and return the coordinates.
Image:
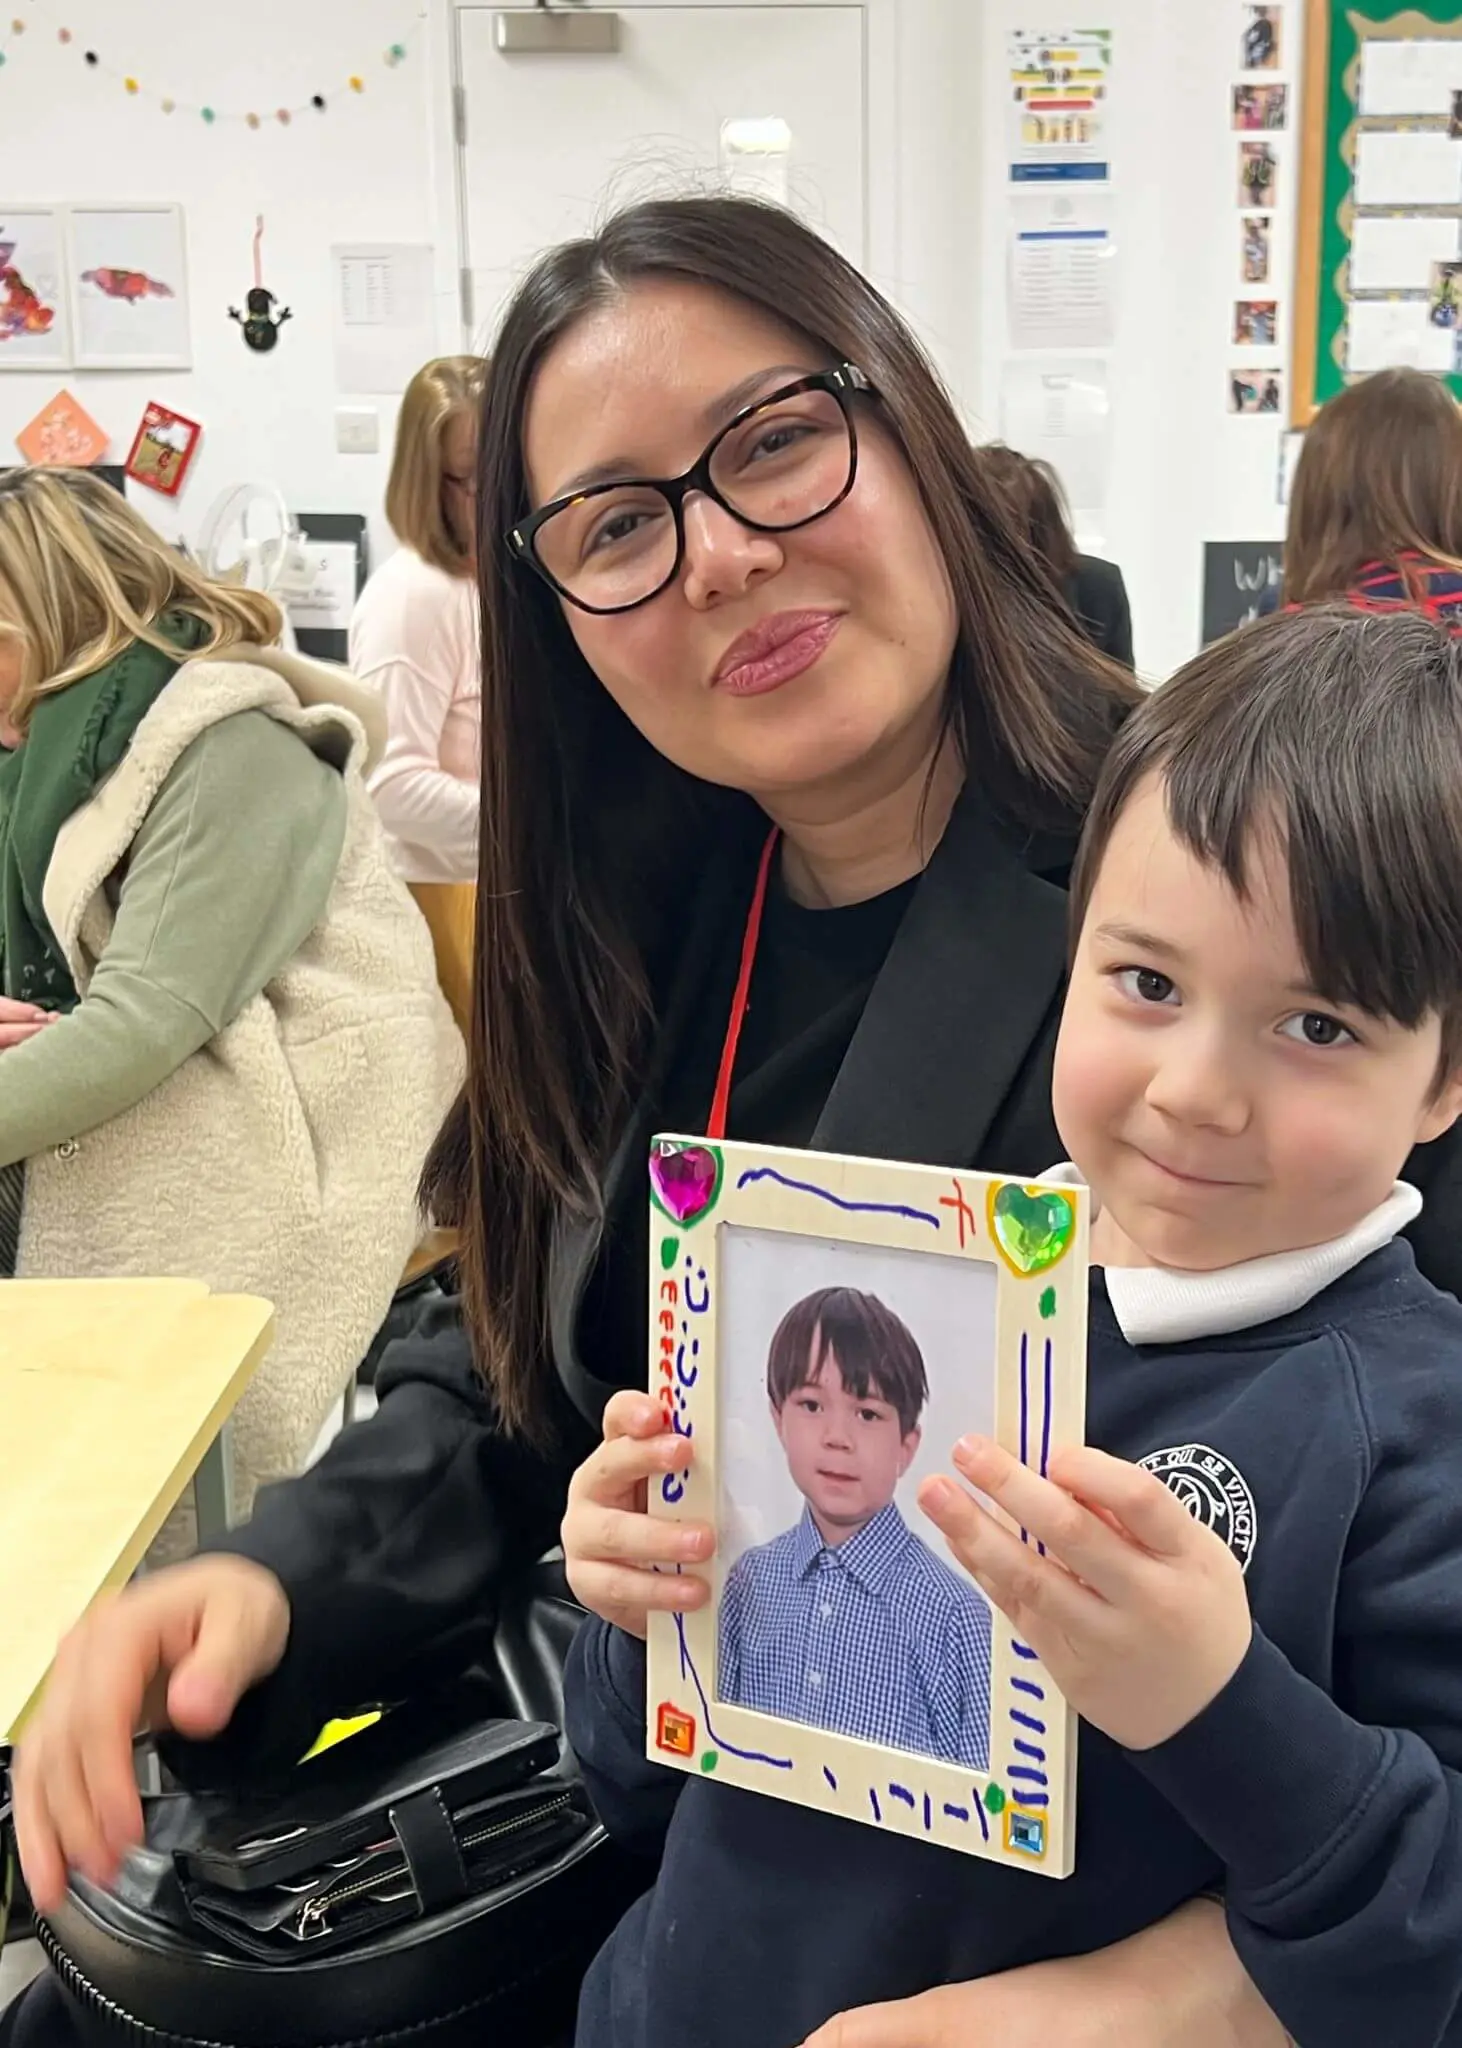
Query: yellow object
(450, 910)
(357, 85)
(111, 1391)
(335, 1732)
(130, 83)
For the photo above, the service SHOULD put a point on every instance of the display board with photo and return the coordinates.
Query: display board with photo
(826, 1329)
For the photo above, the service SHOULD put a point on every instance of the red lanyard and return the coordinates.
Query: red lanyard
(721, 1100)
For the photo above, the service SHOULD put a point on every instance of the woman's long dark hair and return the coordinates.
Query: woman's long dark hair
(585, 826)
(1033, 492)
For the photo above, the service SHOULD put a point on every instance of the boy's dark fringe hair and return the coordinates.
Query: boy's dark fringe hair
(875, 1352)
(1341, 732)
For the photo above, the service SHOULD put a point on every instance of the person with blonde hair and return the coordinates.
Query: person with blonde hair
(414, 633)
(1375, 514)
(223, 1054)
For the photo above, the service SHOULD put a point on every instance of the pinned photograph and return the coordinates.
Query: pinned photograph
(1261, 48)
(1260, 106)
(165, 446)
(1256, 323)
(1258, 174)
(1256, 391)
(826, 1329)
(1444, 295)
(1254, 248)
(1454, 117)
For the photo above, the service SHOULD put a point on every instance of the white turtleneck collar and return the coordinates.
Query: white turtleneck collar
(1155, 1305)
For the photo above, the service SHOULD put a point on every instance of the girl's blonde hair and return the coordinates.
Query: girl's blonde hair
(1379, 478)
(82, 576)
(441, 392)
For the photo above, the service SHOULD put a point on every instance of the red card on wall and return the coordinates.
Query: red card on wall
(164, 447)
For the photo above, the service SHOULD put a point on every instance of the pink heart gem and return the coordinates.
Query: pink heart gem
(684, 1178)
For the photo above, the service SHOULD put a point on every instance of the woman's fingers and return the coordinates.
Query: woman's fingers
(17, 1034)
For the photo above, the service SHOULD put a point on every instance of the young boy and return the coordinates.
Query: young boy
(1264, 1017)
(849, 1620)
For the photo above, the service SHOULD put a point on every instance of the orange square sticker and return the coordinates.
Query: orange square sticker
(63, 435)
(675, 1730)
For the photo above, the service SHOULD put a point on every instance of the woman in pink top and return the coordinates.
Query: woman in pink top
(414, 637)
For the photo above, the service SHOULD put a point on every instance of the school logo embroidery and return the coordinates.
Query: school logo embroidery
(1213, 1491)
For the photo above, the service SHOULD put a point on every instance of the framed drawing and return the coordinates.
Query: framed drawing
(164, 446)
(129, 284)
(35, 323)
(825, 1329)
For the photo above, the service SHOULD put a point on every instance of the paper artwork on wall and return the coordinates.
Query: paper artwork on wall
(163, 450)
(1258, 174)
(129, 275)
(35, 325)
(1255, 248)
(63, 435)
(1256, 391)
(1261, 47)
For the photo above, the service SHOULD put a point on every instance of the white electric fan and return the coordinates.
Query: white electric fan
(249, 537)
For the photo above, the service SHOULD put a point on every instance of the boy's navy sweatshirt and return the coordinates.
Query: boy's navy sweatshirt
(1319, 1791)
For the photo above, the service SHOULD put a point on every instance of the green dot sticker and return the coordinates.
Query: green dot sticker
(709, 1762)
(994, 1799)
(1048, 1304)
(669, 1252)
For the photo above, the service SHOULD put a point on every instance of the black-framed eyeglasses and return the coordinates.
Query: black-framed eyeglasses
(779, 464)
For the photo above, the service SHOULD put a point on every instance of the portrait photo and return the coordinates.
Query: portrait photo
(824, 1330)
(847, 1375)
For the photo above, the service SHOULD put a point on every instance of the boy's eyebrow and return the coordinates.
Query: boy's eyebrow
(1140, 941)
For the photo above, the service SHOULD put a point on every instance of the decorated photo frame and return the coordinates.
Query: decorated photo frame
(824, 1328)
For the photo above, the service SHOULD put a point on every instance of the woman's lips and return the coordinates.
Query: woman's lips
(774, 651)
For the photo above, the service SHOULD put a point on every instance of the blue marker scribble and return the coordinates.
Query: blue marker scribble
(1029, 1749)
(807, 1187)
(873, 1802)
(957, 1813)
(1024, 1650)
(830, 1778)
(980, 1811)
(901, 1792)
(1027, 1775)
(749, 1756)
(1025, 1685)
(1027, 1721)
(928, 1814)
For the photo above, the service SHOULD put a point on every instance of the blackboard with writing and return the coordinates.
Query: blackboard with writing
(1241, 578)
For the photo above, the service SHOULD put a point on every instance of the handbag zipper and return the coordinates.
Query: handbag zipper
(316, 1909)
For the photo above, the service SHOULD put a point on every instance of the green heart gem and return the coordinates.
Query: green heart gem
(1032, 1226)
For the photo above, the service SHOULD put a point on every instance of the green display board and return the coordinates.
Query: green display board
(1334, 121)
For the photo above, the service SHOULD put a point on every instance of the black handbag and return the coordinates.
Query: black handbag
(440, 1881)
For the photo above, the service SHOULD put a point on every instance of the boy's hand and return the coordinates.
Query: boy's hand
(611, 1546)
(1138, 1612)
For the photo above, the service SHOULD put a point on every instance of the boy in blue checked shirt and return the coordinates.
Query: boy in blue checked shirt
(1263, 1024)
(849, 1620)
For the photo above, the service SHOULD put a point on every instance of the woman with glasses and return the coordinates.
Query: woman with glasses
(757, 630)
(413, 635)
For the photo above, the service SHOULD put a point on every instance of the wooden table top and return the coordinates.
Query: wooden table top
(111, 1392)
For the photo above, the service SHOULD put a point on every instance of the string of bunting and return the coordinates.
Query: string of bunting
(317, 103)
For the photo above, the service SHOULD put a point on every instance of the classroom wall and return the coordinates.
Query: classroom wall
(1184, 470)
(380, 166)
(362, 171)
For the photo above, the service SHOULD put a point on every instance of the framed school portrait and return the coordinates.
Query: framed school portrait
(825, 1329)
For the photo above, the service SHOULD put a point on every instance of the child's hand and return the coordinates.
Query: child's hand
(611, 1545)
(1138, 1612)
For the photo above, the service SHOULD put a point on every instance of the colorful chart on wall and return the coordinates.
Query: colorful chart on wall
(824, 1329)
(1378, 279)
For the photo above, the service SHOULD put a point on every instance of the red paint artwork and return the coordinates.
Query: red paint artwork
(675, 1730)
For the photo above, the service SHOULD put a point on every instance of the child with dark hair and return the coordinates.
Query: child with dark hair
(848, 1620)
(1251, 1592)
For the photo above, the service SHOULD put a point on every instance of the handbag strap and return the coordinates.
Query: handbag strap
(428, 1841)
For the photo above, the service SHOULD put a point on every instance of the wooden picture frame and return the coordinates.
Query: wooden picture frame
(988, 1279)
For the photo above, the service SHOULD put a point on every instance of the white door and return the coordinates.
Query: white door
(550, 142)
